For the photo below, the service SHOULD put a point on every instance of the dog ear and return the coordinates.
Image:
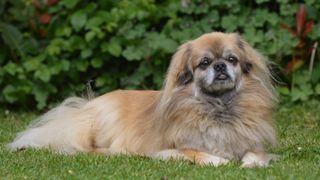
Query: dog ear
(185, 76)
(180, 71)
(254, 63)
(246, 67)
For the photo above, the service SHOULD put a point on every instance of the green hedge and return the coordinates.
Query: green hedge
(48, 51)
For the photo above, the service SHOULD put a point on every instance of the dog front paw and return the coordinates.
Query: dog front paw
(213, 161)
(252, 160)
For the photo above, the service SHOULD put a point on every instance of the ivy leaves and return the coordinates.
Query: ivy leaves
(129, 44)
(304, 87)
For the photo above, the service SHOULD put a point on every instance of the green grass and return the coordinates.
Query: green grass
(299, 132)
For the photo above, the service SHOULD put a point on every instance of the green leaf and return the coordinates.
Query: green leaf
(61, 65)
(132, 53)
(288, 9)
(30, 46)
(63, 31)
(42, 92)
(43, 74)
(315, 77)
(315, 32)
(137, 32)
(253, 36)
(70, 4)
(101, 81)
(9, 93)
(2, 6)
(99, 33)
(96, 62)
(77, 42)
(261, 1)
(82, 65)
(32, 64)
(161, 42)
(11, 68)
(302, 93)
(89, 36)
(273, 19)
(284, 91)
(41, 96)
(258, 18)
(113, 47)
(137, 78)
(86, 53)
(94, 22)
(65, 65)
(302, 77)
(230, 23)
(91, 7)
(78, 20)
(104, 47)
(317, 89)
(12, 37)
(53, 49)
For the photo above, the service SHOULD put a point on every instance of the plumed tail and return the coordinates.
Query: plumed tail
(54, 128)
(68, 106)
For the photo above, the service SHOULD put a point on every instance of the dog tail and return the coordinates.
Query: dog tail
(57, 128)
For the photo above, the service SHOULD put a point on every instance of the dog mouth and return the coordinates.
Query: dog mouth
(222, 77)
(222, 82)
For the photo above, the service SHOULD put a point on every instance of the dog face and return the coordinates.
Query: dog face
(216, 71)
(215, 63)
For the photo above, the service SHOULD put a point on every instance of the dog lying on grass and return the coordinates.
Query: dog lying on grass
(216, 105)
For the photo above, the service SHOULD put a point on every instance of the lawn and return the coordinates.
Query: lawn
(299, 147)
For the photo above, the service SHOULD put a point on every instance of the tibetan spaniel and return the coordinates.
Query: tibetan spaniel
(216, 106)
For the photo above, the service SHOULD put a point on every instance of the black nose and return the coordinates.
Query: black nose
(220, 67)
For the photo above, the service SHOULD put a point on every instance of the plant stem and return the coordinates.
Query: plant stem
(313, 53)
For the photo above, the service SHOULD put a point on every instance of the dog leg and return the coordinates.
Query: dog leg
(198, 157)
(260, 159)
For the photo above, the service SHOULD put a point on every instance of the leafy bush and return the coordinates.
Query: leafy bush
(49, 49)
(304, 84)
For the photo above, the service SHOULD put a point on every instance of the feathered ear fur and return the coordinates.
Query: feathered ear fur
(246, 67)
(255, 65)
(180, 71)
(185, 76)
(253, 60)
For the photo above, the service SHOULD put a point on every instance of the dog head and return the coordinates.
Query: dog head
(216, 63)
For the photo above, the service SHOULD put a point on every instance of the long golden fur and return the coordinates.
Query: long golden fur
(193, 117)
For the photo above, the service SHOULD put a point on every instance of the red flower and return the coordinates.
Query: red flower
(45, 18)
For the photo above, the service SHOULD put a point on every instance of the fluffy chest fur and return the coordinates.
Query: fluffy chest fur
(224, 128)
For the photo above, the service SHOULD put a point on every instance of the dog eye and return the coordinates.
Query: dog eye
(232, 59)
(205, 62)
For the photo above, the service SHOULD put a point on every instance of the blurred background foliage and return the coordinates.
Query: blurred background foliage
(49, 49)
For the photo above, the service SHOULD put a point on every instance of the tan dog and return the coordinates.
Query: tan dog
(216, 105)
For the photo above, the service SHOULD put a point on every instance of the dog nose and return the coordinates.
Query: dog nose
(220, 67)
